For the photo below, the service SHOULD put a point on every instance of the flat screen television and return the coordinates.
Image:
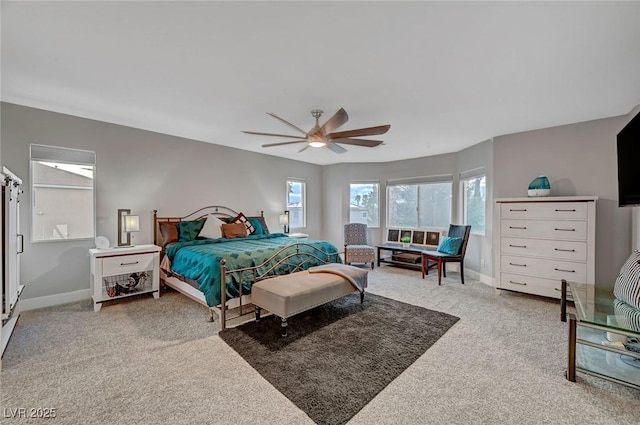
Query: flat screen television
(629, 164)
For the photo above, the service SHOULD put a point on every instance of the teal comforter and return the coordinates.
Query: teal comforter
(200, 260)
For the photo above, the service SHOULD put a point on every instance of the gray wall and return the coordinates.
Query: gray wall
(142, 171)
(480, 247)
(335, 187)
(578, 159)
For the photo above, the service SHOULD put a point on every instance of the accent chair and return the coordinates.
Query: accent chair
(356, 245)
(443, 256)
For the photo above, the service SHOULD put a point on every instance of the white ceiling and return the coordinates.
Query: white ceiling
(444, 75)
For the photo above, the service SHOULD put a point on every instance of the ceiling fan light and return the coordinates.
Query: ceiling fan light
(317, 144)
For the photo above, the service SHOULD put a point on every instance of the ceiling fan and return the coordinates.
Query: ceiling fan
(325, 135)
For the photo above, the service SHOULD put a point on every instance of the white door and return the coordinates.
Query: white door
(13, 242)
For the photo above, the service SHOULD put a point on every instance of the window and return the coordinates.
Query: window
(474, 197)
(296, 203)
(364, 203)
(62, 193)
(415, 203)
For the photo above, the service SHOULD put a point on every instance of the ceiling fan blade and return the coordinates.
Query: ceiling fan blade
(287, 123)
(304, 149)
(338, 119)
(268, 145)
(369, 131)
(359, 142)
(270, 134)
(336, 148)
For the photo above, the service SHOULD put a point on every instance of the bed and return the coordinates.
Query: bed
(200, 267)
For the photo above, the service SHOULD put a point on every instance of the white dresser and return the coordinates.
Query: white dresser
(540, 241)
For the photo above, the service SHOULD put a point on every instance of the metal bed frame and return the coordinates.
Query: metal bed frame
(280, 261)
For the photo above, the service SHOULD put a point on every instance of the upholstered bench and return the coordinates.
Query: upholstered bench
(288, 295)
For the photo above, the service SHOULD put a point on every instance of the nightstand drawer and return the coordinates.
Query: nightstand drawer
(127, 264)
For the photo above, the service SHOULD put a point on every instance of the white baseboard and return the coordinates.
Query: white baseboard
(57, 299)
(487, 280)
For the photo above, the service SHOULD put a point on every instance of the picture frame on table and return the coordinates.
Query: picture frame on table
(393, 235)
(433, 238)
(417, 237)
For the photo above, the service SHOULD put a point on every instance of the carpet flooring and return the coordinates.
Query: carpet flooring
(338, 356)
(144, 361)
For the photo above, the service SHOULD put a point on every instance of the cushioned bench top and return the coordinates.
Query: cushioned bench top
(297, 292)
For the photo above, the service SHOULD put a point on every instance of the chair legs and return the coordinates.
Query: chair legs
(442, 269)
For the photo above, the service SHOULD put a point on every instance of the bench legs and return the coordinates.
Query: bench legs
(362, 297)
(258, 310)
(284, 327)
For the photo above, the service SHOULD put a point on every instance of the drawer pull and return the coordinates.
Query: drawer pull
(565, 250)
(517, 283)
(557, 289)
(519, 227)
(513, 209)
(559, 229)
(130, 264)
(560, 210)
(519, 265)
(563, 270)
(517, 246)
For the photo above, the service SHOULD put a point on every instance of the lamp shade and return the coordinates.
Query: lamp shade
(284, 219)
(131, 223)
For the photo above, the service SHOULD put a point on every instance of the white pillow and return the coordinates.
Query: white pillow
(212, 228)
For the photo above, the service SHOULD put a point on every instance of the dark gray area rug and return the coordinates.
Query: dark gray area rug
(337, 357)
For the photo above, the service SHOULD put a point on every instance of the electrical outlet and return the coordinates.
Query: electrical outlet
(482, 262)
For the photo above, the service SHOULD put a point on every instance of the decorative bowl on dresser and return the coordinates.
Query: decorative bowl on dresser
(540, 241)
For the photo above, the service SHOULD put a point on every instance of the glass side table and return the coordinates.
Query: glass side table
(601, 343)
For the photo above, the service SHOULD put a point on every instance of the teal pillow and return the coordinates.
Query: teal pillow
(257, 225)
(450, 246)
(188, 230)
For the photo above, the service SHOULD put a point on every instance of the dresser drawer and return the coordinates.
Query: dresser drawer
(531, 285)
(127, 264)
(551, 229)
(566, 250)
(552, 210)
(548, 269)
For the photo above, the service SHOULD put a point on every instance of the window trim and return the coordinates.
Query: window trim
(377, 182)
(466, 176)
(303, 200)
(37, 153)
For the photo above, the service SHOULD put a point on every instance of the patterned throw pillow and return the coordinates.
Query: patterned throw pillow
(628, 317)
(188, 230)
(241, 218)
(450, 246)
(257, 224)
(627, 286)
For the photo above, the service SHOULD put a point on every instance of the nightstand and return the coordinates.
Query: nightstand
(124, 272)
(299, 235)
